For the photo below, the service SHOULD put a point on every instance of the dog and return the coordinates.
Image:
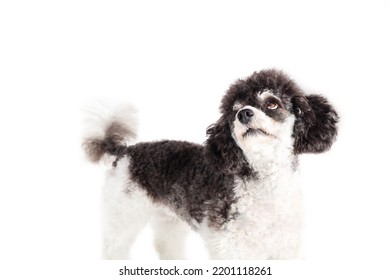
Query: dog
(239, 190)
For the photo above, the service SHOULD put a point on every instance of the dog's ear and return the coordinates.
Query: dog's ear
(316, 124)
(223, 152)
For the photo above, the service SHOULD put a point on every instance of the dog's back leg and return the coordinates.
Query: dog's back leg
(170, 235)
(126, 211)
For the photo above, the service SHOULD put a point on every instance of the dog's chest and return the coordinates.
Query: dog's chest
(268, 220)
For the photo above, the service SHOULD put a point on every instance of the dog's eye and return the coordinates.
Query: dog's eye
(272, 105)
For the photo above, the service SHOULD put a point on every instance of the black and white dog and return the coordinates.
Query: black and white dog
(239, 190)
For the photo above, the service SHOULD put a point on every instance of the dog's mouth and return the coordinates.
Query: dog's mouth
(255, 131)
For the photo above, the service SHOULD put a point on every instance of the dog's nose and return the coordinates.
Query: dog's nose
(245, 115)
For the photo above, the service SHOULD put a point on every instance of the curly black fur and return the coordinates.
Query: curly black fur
(222, 151)
(178, 174)
(316, 124)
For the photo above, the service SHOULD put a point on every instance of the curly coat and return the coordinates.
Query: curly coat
(204, 184)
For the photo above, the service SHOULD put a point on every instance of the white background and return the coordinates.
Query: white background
(174, 60)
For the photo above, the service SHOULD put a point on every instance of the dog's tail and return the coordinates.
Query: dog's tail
(107, 130)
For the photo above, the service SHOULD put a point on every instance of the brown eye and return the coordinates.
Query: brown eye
(272, 105)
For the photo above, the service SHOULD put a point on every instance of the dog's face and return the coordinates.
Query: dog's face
(262, 118)
(266, 109)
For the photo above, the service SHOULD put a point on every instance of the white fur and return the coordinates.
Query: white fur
(237, 106)
(269, 223)
(270, 219)
(122, 218)
(98, 117)
(265, 94)
(262, 150)
(126, 211)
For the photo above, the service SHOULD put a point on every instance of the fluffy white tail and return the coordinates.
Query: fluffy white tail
(107, 130)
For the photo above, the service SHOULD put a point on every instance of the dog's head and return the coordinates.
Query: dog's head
(266, 111)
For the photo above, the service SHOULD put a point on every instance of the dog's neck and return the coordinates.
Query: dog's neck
(271, 157)
(276, 177)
